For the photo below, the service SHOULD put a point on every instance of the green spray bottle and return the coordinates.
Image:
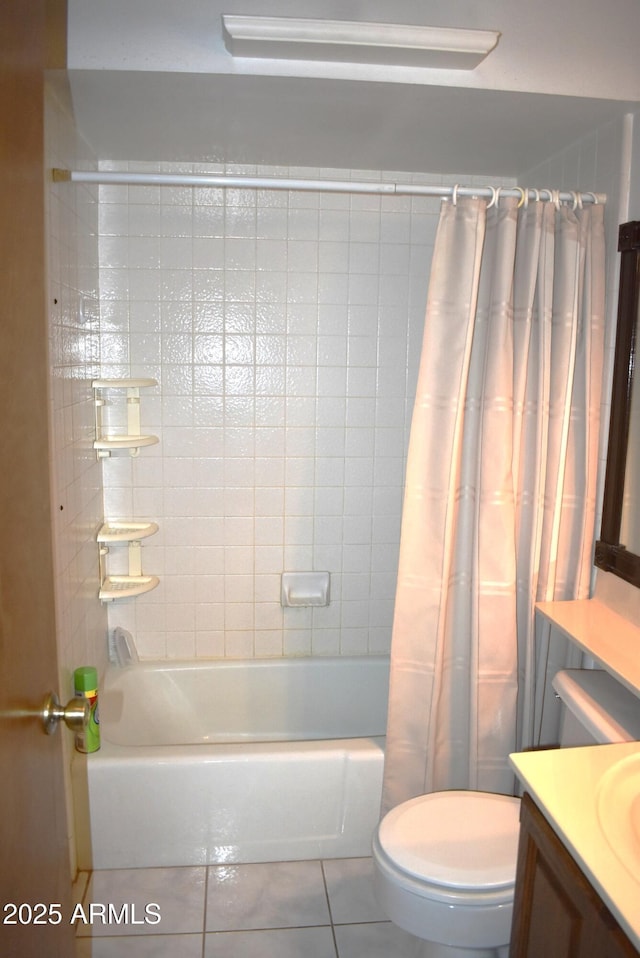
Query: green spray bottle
(85, 681)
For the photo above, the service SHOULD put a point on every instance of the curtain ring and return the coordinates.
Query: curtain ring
(537, 194)
(494, 195)
(577, 201)
(524, 198)
(594, 197)
(549, 194)
(556, 198)
(454, 194)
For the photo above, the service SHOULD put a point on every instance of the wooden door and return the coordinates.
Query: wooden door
(34, 857)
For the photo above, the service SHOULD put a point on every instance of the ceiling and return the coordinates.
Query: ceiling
(151, 80)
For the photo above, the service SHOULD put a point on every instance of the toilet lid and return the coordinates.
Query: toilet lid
(461, 839)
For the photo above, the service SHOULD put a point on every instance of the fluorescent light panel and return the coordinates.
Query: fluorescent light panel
(291, 38)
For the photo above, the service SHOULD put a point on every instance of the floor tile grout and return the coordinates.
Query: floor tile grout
(343, 885)
(328, 897)
(204, 914)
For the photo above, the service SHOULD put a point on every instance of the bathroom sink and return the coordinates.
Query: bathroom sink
(618, 799)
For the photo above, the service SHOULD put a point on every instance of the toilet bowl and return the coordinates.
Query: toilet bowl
(444, 870)
(445, 862)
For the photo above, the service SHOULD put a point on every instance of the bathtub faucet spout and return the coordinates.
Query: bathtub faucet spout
(122, 648)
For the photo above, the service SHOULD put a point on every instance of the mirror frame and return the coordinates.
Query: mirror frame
(610, 554)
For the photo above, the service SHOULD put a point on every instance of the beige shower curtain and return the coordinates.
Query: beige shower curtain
(500, 488)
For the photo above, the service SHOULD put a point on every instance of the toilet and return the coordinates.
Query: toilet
(445, 862)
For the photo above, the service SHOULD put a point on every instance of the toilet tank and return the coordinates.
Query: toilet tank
(597, 709)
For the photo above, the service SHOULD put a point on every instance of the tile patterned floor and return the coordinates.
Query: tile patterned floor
(315, 909)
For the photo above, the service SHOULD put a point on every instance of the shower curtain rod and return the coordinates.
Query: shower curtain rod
(321, 186)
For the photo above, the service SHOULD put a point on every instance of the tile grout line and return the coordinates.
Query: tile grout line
(204, 911)
(326, 892)
(202, 949)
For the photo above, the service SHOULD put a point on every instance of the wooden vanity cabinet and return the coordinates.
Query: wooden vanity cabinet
(557, 912)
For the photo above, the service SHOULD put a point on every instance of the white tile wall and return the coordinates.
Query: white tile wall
(284, 330)
(74, 354)
(74, 359)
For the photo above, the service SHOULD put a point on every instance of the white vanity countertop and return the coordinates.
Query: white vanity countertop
(601, 632)
(567, 785)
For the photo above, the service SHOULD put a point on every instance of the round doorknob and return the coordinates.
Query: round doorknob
(75, 714)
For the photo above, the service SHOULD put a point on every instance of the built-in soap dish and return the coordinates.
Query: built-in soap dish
(299, 589)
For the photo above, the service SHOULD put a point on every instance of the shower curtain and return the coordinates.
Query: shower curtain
(500, 491)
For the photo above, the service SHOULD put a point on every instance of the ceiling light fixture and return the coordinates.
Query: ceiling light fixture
(292, 38)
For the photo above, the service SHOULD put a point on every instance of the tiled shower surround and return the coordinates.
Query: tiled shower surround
(284, 329)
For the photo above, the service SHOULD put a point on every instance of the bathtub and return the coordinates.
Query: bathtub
(233, 761)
